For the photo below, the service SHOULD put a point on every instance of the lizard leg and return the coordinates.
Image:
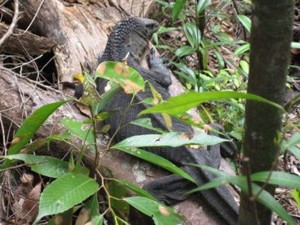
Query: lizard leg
(169, 189)
(159, 69)
(172, 189)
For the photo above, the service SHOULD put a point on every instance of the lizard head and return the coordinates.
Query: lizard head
(130, 35)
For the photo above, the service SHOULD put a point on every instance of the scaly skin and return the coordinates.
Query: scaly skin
(131, 36)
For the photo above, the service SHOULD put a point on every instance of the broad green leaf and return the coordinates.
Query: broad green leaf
(146, 123)
(82, 130)
(161, 215)
(135, 189)
(180, 104)
(44, 165)
(245, 21)
(242, 49)
(177, 9)
(264, 197)
(29, 127)
(173, 139)
(119, 72)
(184, 50)
(64, 193)
(193, 34)
(278, 178)
(154, 159)
(201, 5)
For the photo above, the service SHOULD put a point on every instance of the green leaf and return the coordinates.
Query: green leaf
(44, 165)
(193, 34)
(246, 21)
(177, 9)
(122, 74)
(154, 159)
(162, 215)
(161, 30)
(187, 74)
(108, 95)
(146, 123)
(295, 151)
(292, 141)
(202, 5)
(172, 139)
(242, 49)
(64, 193)
(291, 145)
(118, 191)
(136, 189)
(92, 207)
(90, 96)
(277, 178)
(97, 220)
(59, 137)
(184, 50)
(296, 196)
(180, 104)
(82, 130)
(219, 59)
(245, 66)
(29, 127)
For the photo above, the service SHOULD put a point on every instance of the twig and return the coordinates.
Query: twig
(3, 135)
(33, 19)
(97, 153)
(13, 23)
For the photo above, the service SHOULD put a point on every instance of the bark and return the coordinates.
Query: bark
(79, 30)
(271, 35)
(34, 45)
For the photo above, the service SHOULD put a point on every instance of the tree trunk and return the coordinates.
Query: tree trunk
(271, 36)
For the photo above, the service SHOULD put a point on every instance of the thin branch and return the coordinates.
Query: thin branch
(34, 17)
(13, 23)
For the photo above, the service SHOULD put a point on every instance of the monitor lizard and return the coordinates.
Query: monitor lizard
(129, 39)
